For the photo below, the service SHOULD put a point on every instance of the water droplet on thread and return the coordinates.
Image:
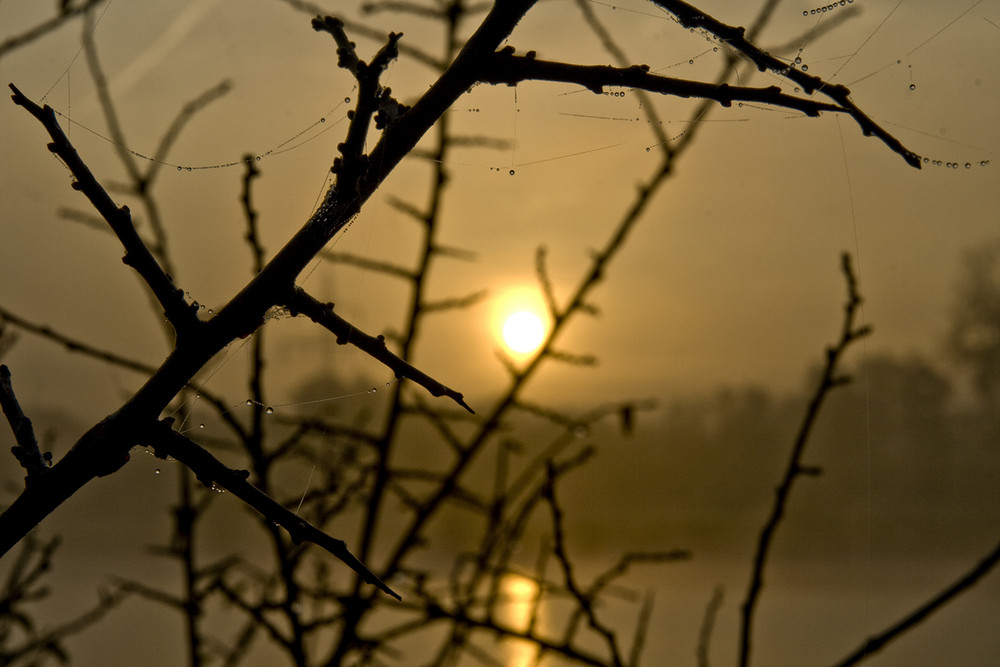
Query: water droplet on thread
(913, 86)
(511, 172)
(805, 68)
(156, 472)
(347, 100)
(269, 410)
(201, 426)
(249, 402)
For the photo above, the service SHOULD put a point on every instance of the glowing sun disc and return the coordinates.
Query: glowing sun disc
(523, 332)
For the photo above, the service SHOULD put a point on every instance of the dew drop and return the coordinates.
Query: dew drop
(249, 402)
(347, 100)
(156, 472)
(691, 62)
(269, 410)
(257, 158)
(913, 86)
(798, 60)
(201, 426)
(647, 149)
(180, 168)
(511, 172)
(805, 68)
(968, 165)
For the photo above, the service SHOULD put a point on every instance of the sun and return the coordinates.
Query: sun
(523, 332)
(519, 321)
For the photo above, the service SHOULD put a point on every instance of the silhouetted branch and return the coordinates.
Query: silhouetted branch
(455, 302)
(693, 18)
(506, 68)
(584, 601)
(388, 268)
(570, 358)
(186, 113)
(545, 282)
(252, 237)
(210, 471)
(707, 625)
(416, 53)
(115, 359)
(610, 45)
(66, 12)
(323, 314)
(74, 345)
(828, 380)
(26, 450)
(19, 639)
(454, 253)
(182, 316)
(876, 643)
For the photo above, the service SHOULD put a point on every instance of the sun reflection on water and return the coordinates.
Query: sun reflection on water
(520, 612)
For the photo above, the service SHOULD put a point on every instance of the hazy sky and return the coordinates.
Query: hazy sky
(732, 276)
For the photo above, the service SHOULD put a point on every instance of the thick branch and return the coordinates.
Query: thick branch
(210, 471)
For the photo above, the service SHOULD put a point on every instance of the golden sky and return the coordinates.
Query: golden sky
(731, 277)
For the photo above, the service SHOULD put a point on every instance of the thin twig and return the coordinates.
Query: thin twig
(707, 625)
(828, 380)
(210, 471)
(26, 450)
(324, 315)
